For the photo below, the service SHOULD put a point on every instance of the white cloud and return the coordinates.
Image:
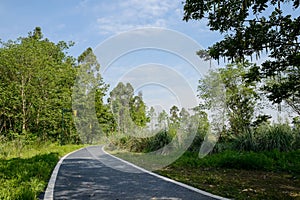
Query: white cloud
(149, 8)
(126, 15)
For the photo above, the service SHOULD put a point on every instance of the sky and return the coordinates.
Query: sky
(89, 22)
(143, 42)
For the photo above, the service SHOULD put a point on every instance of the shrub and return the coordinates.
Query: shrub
(158, 141)
(267, 138)
(278, 136)
(136, 144)
(196, 144)
(245, 142)
(224, 146)
(296, 144)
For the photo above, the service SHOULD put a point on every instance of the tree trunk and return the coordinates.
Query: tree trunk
(23, 96)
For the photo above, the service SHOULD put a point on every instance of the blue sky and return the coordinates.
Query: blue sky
(89, 22)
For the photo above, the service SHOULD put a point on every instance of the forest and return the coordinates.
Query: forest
(52, 100)
(37, 83)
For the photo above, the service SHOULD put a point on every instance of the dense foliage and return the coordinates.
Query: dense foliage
(36, 80)
(26, 168)
(253, 28)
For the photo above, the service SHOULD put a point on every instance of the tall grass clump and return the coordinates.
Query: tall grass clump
(296, 144)
(277, 136)
(158, 141)
(144, 144)
(246, 141)
(267, 137)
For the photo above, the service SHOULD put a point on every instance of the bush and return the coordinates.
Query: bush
(158, 141)
(267, 138)
(135, 144)
(278, 136)
(285, 161)
(196, 144)
(229, 159)
(224, 146)
(238, 160)
(246, 142)
(296, 144)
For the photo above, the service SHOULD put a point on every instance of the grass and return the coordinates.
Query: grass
(26, 169)
(238, 175)
(266, 161)
(237, 184)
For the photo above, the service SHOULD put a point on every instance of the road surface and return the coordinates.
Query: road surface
(85, 174)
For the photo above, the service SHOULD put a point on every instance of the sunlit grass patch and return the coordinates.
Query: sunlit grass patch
(24, 175)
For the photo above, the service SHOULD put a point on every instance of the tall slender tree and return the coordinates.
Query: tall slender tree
(119, 100)
(239, 98)
(87, 97)
(137, 110)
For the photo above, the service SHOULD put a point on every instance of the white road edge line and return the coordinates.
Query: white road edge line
(167, 179)
(50, 187)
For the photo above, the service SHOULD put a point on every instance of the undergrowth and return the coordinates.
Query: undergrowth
(267, 160)
(26, 168)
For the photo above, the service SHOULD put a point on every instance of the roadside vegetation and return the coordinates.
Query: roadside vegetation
(26, 167)
(240, 175)
(239, 150)
(36, 118)
(235, 148)
(266, 166)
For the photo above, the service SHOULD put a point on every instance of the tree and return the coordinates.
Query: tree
(129, 110)
(240, 97)
(174, 115)
(87, 98)
(184, 114)
(119, 101)
(137, 109)
(248, 31)
(36, 78)
(203, 127)
(163, 120)
(152, 116)
(104, 114)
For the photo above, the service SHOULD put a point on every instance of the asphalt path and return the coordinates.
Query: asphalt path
(86, 174)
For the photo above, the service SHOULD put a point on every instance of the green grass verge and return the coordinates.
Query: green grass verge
(266, 161)
(24, 173)
(238, 175)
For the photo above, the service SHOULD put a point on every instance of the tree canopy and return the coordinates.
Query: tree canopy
(250, 29)
(36, 77)
(88, 93)
(127, 108)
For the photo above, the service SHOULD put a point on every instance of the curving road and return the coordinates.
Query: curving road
(85, 174)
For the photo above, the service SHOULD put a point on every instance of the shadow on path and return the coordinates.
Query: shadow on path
(83, 175)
